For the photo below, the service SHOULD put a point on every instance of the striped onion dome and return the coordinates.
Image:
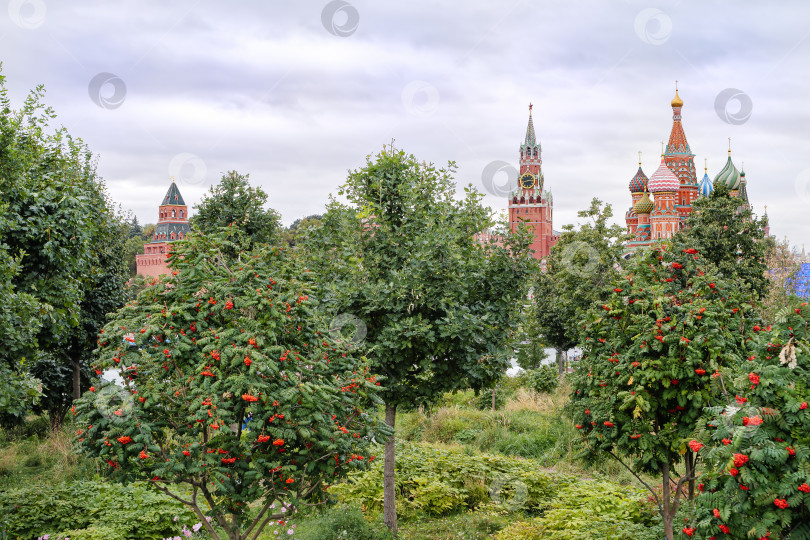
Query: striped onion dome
(729, 175)
(644, 205)
(639, 182)
(705, 187)
(663, 180)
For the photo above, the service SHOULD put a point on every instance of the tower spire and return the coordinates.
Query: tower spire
(531, 138)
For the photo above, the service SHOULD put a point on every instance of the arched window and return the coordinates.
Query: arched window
(174, 212)
(181, 213)
(161, 249)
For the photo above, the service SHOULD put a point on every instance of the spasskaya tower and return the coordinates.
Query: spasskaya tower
(529, 203)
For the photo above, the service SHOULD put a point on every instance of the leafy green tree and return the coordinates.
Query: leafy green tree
(299, 226)
(579, 269)
(728, 236)
(756, 477)
(436, 309)
(650, 353)
(529, 350)
(234, 392)
(56, 238)
(234, 202)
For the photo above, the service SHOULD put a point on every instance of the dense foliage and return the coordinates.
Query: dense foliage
(756, 479)
(60, 241)
(577, 273)
(650, 355)
(436, 308)
(233, 388)
(234, 202)
(542, 379)
(729, 236)
(135, 511)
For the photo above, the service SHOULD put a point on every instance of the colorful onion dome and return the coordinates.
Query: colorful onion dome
(663, 179)
(677, 101)
(644, 205)
(705, 187)
(730, 176)
(639, 182)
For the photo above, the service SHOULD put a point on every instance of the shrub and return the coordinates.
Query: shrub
(589, 510)
(544, 379)
(341, 521)
(484, 399)
(135, 511)
(439, 481)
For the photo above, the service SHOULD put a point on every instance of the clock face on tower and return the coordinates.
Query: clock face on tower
(527, 181)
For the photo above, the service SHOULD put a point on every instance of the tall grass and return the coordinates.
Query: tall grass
(44, 459)
(530, 425)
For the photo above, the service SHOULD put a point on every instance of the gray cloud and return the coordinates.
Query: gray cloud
(263, 88)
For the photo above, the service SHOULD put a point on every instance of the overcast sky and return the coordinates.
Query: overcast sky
(297, 93)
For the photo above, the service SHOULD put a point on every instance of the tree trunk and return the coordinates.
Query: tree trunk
(389, 485)
(493, 399)
(77, 378)
(560, 362)
(667, 504)
(690, 474)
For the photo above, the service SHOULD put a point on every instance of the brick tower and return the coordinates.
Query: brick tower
(681, 161)
(172, 225)
(529, 203)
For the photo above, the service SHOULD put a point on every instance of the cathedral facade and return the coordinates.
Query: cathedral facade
(172, 225)
(674, 187)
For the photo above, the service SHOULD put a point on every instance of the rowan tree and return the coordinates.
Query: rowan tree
(756, 445)
(235, 396)
(436, 308)
(729, 236)
(650, 353)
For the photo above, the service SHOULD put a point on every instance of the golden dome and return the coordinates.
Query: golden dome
(677, 101)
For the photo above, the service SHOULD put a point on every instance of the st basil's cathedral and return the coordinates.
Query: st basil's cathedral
(674, 187)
